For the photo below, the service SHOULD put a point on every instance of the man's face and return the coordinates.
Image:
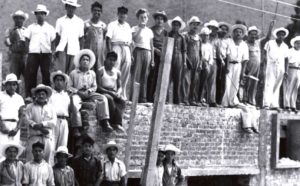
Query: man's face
(160, 157)
(205, 37)
(61, 158)
(111, 152)
(238, 33)
(84, 62)
(252, 35)
(11, 153)
(87, 149)
(176, 26)
(122, 17)
(38, 153)
(70, 10)
(110, 62)
(143, 18)
(41, 96)
(213, 29)
(96, 12)
(159, 21)
(280, 35)
(19, 21)
(297, 45)
(59, 82)
(170, 155)
(11, 87)
(194, 26)
(224, 29)
(40, 16)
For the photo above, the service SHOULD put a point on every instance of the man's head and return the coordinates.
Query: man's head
(84, 62)
(59, 82)
(170, 155)
(295, 42)
(11, 83)
(111, 149)
(213, 25)
(122, 14)
(70, 10)
(11, 153)
(239, 31)
(176, 25)
(194, 24)
(143, 16)
(280, 34)
(96, 9)
(160, 157)
(19, 17)
(87, 146)
(62, 155)
(41, 94)
(111, 58)
(205, 33)
(160, 17)
(253, 33)
(40, 16)
(38, 151)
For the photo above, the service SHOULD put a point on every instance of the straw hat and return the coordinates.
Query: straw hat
(11, 78)
(12, 144)
(240, 26)
(172, 148)
(194, 19)
(63, 150)
(110, 144)
(21, 14)
(254, 28)
(58, 73)
(205, 31)
(178, 19)
(225, 24)
(71, 2)
(41, 8)
(212, 23)
(83, 52)
(281, 29)
(161, 13)
(42, 87)
(297, 38)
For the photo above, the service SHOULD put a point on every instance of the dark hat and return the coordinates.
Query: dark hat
(87, 139)
(39, 145)
(160, 13)
(123, 10)
(112, 54)
(96, 4)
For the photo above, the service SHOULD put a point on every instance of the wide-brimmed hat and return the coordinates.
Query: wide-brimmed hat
(161, 13)
(110, 144)
(213, 23)
(71, 2)
(281, 29)
(225, 24)
(11, 78)
(240, 26)
(21, 14)
(254, 28)
(42, 87)
(178, 19)
(297, 38)
(194, 19)
(83, 52)
(58, 73)
(171, 147)
(41, 8)
(11, 144)
(63, 150)
(205, 31)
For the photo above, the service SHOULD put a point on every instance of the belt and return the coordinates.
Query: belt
(121, 43)
(63, 117)
(293, 67)
(10, 120)
(233, 62)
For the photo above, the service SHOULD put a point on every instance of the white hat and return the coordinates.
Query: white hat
(42, 87)
(12, 144)
(71, 2)
(297, 38)
(171, 147)
(240, 26)
(41, 8)
(213, 23)
(58, 73)
(85, 52)
(177, 18)
(254, 28)
(281, 29)
(225, 24)
(110, 144)
(63, 150)
(194, 19)
(20, 13)
(11, 78)
(205, 31)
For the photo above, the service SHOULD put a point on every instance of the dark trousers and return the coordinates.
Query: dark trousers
(176, 77)
(220, 81)
(34, 61)
(17, 64)
(116, 109)
(185, 85)
(110, 183)
(152, 79)
(194, 87)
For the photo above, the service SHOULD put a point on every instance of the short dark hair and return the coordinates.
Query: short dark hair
(141, 11)
(59, 75)
(87, 139)
(122, 10)
(86, 56)
(39, 145)
(112, 54)
(96, 4)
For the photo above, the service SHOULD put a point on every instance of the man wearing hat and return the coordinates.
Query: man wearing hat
(238, 57)
(277, 65)
(15, 41)
(11, 169)
(94, 34)
(159, 33)
(191, 75)
(114, 170)
(63, 174)
(41, 36)
(87, 167)
(60, 100)
(69, 37)
(84, 84)
(42, 121)
(38, 172)
(119, 39)
(178, 59)
(10, 103)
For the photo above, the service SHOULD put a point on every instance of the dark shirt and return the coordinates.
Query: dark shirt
(175, 178)
(17, 45)
(158, 39)
(86, 171)
(179, 42)
(63, 176)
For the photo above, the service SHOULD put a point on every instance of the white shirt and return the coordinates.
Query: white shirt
(41, 37)
(61, 102)
(69, 30)
(238, 53)
(294, 57)
(143, 40)
(207, 52)
(276, 54)
(9, 105)
(119, 32)
(114, 172)
(223, 47)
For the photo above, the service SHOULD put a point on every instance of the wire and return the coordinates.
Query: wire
(285, 3)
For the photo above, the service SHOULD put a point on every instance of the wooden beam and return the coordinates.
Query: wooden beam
(157, 113)
(130, 131)
(1, 64)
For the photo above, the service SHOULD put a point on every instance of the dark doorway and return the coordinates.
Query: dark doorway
(219, 181)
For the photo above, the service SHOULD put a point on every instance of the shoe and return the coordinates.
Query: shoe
(119, 128)
(106, 126)
(193, 103)
(266, 107)
(247, 130)
(294, 110)
(255, 130)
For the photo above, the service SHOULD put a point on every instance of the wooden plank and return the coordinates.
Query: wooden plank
(157, 113)
(1, 63)
(130, 131)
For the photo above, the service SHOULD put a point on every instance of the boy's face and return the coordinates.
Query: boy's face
(11, 87)
(61, 158)
(11, 153)
(160, 156)
(280, 35)
(40, 16)
(297, 45)
(84, 62)
(70, 10)
(110, 62)
(176, 26)
(19, 21)
(238, 33)
(159, 21)
(143, 18)
(194, 26)
(87, 149)
(38, 153)
(205, 37)
(122, 17)
(59, 82)
(96, 12)
(252, 35)
(111, 152)
(170, 155)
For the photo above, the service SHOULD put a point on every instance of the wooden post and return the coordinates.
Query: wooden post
(1, 63)
(157, 113)
(135, 98)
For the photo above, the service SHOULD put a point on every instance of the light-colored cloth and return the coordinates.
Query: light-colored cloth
(143, 40)
(238, 52)
(276, 54)
(40, 37)
(11, 174)
(83, 80)
(70, 31)
(109, 81)
(207, 52)
(38, 174)
(115, 171)
(64, 176)
(119, 32)
(159, 175)
(223, 47)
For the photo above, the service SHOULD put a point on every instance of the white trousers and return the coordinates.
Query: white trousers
(61, 133)
(290, 87)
